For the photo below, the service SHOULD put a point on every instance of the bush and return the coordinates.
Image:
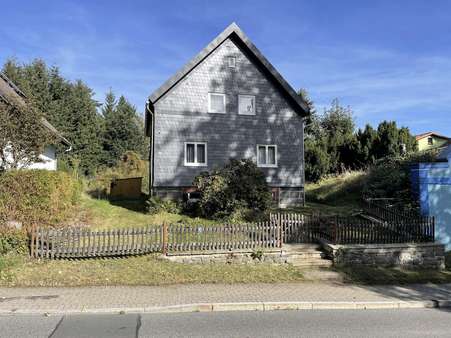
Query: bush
(13, 241)
(38, 197)
(390, 177)
(155, 205)
(239, 185)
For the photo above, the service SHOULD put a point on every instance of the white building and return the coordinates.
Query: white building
(48, 157)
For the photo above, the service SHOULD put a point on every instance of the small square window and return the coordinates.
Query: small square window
(216, 103)
(267, 156)
(246, 104)
(195, 154)
(231, 61)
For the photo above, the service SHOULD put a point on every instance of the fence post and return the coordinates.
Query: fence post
(33, 240)
(164, 237)
(279, 225)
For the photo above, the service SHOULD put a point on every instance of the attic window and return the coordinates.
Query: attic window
(216, 103)
(430, 141)
(231, 61)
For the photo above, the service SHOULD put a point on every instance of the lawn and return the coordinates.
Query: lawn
(334, 195)
(18, 271)
(103, 214)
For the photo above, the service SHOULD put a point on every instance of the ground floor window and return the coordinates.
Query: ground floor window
(195, 154)
(267, 155)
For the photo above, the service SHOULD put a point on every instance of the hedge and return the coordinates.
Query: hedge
(38, 197)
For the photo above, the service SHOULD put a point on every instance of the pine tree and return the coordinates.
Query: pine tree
(123, 129)
(83, 128)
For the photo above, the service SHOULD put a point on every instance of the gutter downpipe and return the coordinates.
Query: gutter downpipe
(151, 148)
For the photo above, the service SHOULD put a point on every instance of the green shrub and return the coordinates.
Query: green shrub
(38, 197)
(155, 205)
(239, 185)
(13, 241)
(390, 177)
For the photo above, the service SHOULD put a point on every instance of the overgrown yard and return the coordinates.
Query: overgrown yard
(18, 270)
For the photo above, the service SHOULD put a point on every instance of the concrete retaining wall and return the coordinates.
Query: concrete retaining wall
(406, 255)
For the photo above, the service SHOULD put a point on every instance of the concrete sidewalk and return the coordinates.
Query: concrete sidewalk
(218, 297)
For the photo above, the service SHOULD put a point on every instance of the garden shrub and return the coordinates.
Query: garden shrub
(155, 205)
(13, 241)
(390, 177)
(237, 187)
(38, 197)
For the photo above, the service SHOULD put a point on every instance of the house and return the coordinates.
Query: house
(431, 140)
(48, 158)
(227, 102)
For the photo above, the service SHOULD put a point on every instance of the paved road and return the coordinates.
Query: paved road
(307, 323)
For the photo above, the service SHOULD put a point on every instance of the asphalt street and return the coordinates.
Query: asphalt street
(304, 323)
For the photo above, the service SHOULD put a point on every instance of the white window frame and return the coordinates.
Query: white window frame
(241, 96)
(266, 164)
(231, 61)
(209, 103)
(195, 163)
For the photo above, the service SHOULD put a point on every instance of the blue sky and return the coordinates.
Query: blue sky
(385, 59)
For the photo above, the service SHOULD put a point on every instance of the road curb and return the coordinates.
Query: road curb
(250, 306)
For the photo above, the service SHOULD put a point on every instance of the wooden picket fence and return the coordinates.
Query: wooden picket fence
(228, 237)
(85, 243)
(353, 230)
(297, 228)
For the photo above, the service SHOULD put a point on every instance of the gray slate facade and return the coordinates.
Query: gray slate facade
(178, 113)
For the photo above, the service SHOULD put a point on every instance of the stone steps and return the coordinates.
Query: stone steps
(305, 255)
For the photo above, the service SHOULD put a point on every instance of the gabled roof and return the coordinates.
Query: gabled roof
(8, 88)
(235, 33)
(431, 133)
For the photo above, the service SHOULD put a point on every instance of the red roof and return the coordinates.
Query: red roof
(431, 133)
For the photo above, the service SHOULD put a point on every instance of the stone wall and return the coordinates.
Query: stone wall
(406, 255)
(245, 257)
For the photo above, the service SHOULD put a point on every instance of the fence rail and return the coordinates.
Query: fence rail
(380, 210)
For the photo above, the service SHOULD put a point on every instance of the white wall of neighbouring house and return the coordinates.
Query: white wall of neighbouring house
(48, 158)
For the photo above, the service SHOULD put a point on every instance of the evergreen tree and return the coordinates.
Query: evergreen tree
(83, 128)
(338, 125)
(365, 153)
(123, 129)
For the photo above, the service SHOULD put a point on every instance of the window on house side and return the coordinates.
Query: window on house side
(231, 61)
(195, 154)
(430, 141)
(267, 156)
(246, 104)
(216, 103)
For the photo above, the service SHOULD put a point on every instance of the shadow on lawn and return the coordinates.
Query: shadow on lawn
(137, 205)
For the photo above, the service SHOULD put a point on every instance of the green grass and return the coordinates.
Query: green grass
(338, 194)
(103, 214)
(18, 271)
